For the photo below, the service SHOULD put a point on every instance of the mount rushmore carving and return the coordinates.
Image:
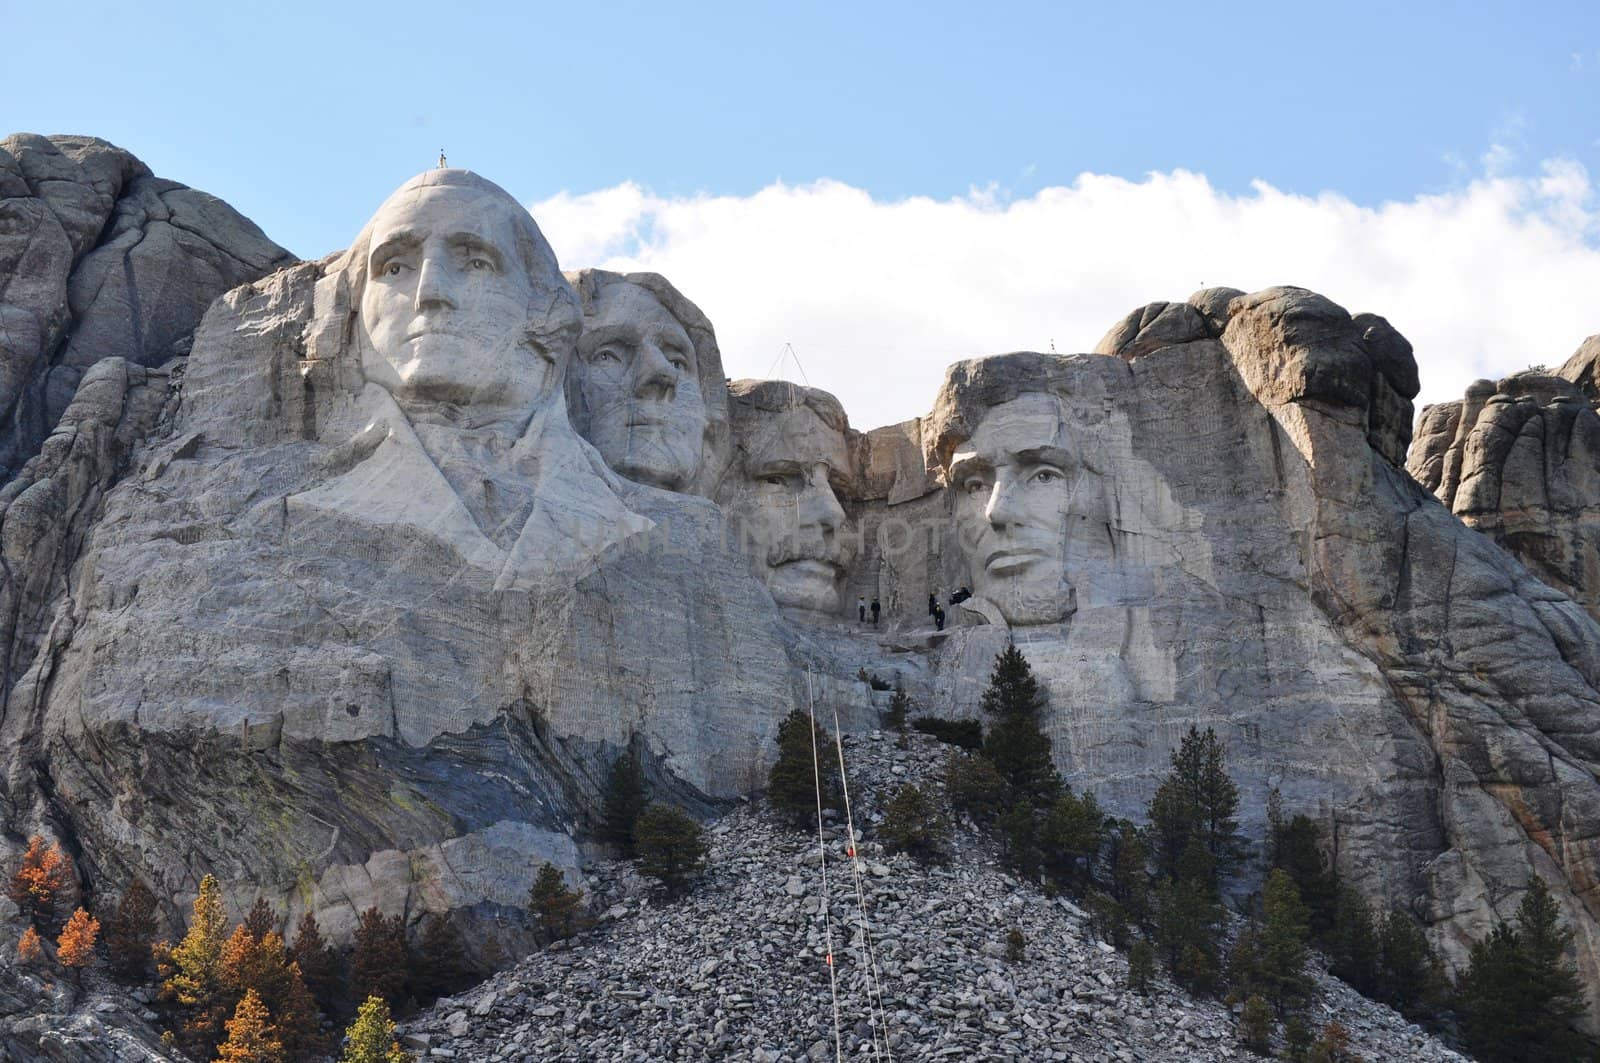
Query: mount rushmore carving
(353, 599)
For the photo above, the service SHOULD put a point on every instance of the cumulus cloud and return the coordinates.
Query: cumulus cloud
(877, 297)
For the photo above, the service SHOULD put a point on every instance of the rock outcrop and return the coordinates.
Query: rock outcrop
(1519, 460)
(346, 609)
(100, 258)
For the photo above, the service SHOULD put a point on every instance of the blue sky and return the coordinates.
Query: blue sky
(304, 116)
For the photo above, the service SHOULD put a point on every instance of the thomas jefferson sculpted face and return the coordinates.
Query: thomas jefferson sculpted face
(641, 387)
(783, 493)
(446, 305)
(1014, 481)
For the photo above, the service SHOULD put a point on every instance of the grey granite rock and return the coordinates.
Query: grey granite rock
(101, 259)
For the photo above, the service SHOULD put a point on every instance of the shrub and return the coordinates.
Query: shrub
(805, 758)
(671, 847)
(75, 947)
(975, 788)
(557, 908)
(1016, 945)
(1107, 919)
(964, 734)
(913, 824)
(626, 796)
(899, 712)
(29, 948)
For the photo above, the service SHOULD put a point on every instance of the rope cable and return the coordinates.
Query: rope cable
(822, 848)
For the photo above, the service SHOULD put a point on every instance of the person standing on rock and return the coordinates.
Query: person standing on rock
(933, 602)
(938, 617)
(876, 610)
(861, 610)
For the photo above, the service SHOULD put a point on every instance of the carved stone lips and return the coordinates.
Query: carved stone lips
(812, 567)
(1011, 559)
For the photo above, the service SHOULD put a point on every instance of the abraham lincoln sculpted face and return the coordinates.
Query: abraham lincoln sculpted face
(446, 304)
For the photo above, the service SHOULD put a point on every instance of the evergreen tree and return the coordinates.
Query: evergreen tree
(1188, 923)
(130, 931)
(1019, 837)
(1255, 1026)
(1354, 952)
(75, 947)
(41, 883)
(913, 824)
(805, 755)
(1410, 976)
(378, 963)
(899, 714)
(1069, 838)
(1297, 1039)
(1141, 966)
(441, 965)
(975, 788)
(1285, 983)
(262, 966)
(318, 963)
(671, 846)
(1016, 945)
(1016, 746)
(1130, 873)
(1197, 800)
(260, 919)
(1296, 847)
(191, 973)
(1519, 997)
(250, 1037)
(557, 908)
(370, 1039)
(627, 794)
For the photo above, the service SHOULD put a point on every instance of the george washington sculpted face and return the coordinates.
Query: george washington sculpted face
(446, 306)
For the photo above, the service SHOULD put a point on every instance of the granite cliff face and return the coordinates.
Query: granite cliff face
(354, 604)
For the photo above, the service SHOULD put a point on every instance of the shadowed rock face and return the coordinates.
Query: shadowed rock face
(100, 258)
(356, 616)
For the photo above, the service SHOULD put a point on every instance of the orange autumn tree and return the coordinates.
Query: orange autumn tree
(75, 947)
(191, 972)
(40, 883)
(262, 966)
(250, 1036)
(28, 946)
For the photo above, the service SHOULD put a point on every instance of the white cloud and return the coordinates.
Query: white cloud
(878, 297)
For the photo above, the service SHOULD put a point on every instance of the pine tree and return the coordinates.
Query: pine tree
(899, 715)
(41, 883)
(440, 965)
(627, 795)
(1285, 983)
(378, 962)
(1196, 800)
(557, 908)
(1069, 838)
(1255, 1026)
(1130, 873)
(1296, 847)
(1019, 837)
(318, 963)
(1141, 966)
(792, 784)
(671, 846)
(370, 1039)
(262, 966)
(1187, 929)
(250, 1038)
(29, 947)
(1354, 951)
(75, 946)
(975, 788)
(1410, 976)
(260, 919)
(913, 824)
(1519, 997)
(1016, 746)
(130, 931)
(192, 978)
